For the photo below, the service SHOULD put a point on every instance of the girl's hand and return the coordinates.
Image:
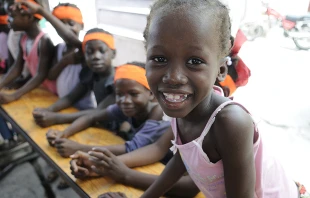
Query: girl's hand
(52, 135)
(44, 117)
(66, 147)
(74, 57)
(113, 195)
(28, 7)
(107, 164)
(80, 165)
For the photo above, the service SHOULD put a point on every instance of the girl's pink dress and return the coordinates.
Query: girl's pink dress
(32, 60)
(271, 180)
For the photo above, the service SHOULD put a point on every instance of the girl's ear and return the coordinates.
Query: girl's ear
(113, 54)
(152, 98)
(223, 70)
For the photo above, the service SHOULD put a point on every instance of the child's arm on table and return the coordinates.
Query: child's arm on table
(83, 123)
(46, 117)
(66, 147)
(65, 33)
(46, 56)
(77, 93)
(107, 164)
(141, 157)
(234, 139)
(14, 72)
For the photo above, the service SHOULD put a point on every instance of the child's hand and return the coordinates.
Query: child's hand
(7, 98)
(44, 117)
(113, 195)
(33, 8)
(52, 135)
(66, 147)
(80, 165)
(74, 57)
(107, 164)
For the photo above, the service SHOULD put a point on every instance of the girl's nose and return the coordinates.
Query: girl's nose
(175, 76)
(126, 99)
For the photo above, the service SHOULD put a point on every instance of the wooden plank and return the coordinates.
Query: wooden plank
(21, 113)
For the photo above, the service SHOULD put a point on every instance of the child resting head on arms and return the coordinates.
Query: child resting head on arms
(133, 104)
(36, 52)
(215, 139)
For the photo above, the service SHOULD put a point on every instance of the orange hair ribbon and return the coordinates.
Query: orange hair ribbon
(68, 12)
(4, 19)
(26, 8)
(132, 72)
(229, 82)
(104, 37)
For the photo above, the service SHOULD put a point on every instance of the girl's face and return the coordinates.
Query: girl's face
(74, 26)
(132, 97)
(98, 56)
(19, 21)
(182, 60)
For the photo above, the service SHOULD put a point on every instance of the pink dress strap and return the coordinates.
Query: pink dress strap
(213, 116)
(34, 45)
(32, 59)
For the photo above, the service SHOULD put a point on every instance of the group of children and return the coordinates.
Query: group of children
(190, 71)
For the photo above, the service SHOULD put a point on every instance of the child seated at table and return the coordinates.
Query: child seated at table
(99, 51)
(35, 51)
(4, 51)
(66, 72)
(97, 76)
(134, 104)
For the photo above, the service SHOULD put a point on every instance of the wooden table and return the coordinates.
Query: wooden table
(19, 114)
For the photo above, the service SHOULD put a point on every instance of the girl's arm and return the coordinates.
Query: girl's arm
(171, 174)
(119, 172)
(15, 70)
(234, 140)
(70, 58)
(77, 93)
(85, 122)
(65, 33)
(46, 56)
(141, 157)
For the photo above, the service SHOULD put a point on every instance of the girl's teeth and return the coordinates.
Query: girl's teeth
(175, 97)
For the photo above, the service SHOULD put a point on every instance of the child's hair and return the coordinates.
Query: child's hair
(216, 9)
(136, 63)
(93, 30)
(67, 4)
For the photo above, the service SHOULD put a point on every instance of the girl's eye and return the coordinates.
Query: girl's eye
(194, 61)
(89, 51)
(134, 94)
(102, 51)
(160, 59)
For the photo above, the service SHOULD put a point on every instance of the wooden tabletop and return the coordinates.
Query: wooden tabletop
(20, 113)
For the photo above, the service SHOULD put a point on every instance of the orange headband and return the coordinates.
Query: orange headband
(131, 72)
(104, 37)
(229, 82)
(68, 12)
(26, 8)
(4, 19)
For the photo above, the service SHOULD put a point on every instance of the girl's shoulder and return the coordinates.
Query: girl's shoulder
(233, 125)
